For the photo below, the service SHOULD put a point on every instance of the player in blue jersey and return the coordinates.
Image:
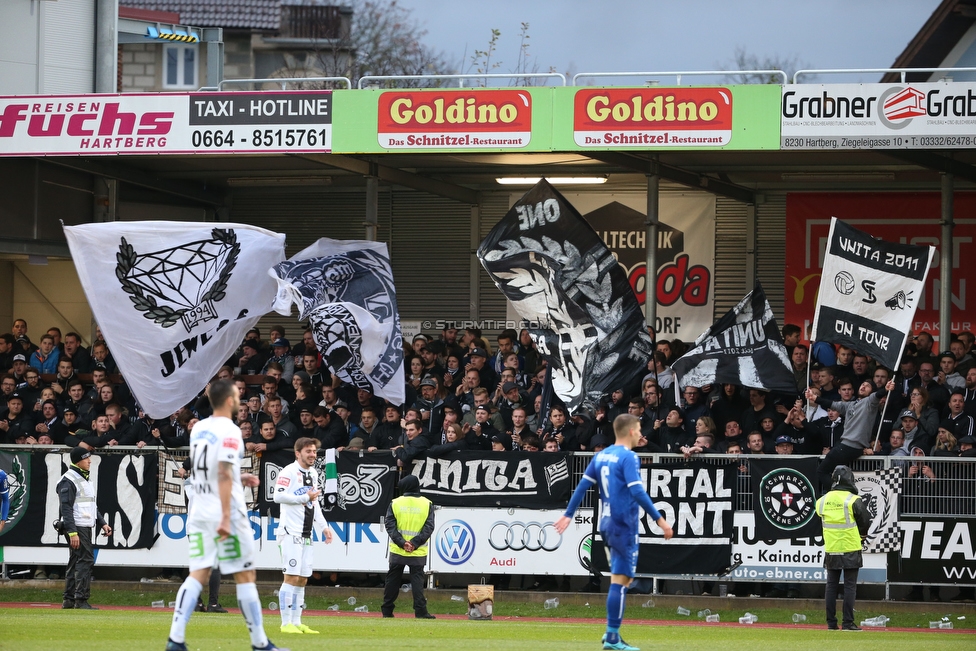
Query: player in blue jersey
(616, 473)
(4, 499)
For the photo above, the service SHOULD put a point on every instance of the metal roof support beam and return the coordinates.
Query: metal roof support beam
(184, 190)
(676, 174)
(397, 177)
(936, 162)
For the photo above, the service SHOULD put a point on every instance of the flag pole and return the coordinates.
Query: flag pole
(877, 437)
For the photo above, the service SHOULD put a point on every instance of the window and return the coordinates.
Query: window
(180, 66)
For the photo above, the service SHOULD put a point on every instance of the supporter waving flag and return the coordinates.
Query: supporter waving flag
(562, 278)
(174, 299)
(869, 290)
(345, 290)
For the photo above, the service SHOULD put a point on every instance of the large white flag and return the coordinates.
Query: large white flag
(174, 300)
(345, 289)
(869, 290)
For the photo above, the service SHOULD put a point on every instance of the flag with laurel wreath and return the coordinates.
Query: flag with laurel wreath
(174, 299)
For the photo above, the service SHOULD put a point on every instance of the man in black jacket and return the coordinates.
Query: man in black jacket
(408, 544)
(414, 445)
(79, 514)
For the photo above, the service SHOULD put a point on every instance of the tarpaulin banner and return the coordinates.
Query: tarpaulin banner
(880, 490)
(869, 290)
(561, 277)
(878, 116)
(744, 347)
(510, 541)
(698, 500)
(167, 123)
(684, 278)
(517, 479)
(366, 484)
(173, 299)
(784, 497)
(125, 492)
(904, 217)
(935, 549)
(789, 559)
(171, 493)
(345, 290)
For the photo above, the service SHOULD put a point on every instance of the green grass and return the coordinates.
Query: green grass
(440, 603)
(47, 630)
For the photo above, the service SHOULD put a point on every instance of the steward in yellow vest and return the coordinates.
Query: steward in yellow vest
(410, 523)
(845, 523)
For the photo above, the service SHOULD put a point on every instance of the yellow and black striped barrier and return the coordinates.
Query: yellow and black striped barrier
(171, 35)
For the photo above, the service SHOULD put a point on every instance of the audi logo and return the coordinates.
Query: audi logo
(530, 536)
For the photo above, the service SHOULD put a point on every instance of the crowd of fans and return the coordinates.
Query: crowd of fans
(461, 394)
(464, 394)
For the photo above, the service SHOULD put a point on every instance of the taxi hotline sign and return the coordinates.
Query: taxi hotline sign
(166, 123)
(455, 119)
(608, 118)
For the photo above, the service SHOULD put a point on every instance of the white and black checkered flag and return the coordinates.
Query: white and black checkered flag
(744, 347)
(880, 490)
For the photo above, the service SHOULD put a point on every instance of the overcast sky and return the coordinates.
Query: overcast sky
(663, 35)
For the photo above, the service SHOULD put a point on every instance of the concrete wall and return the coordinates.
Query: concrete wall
(47, 295)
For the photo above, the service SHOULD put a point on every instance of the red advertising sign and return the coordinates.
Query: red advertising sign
(910, 218)
(456, 119)
(665, 117)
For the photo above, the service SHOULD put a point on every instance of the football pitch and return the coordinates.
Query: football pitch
(47, 629)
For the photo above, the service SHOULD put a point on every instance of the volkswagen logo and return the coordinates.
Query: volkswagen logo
(455, 542)
(531, 536)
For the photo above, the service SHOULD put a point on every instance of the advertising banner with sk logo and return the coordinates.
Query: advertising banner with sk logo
(514, 541)
(174, 300)
(879, 116)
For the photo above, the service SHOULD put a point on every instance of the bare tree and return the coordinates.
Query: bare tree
(382, 39)
(745, 60)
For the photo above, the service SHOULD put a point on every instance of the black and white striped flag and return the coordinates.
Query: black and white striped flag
(744, 347)
(869, 290)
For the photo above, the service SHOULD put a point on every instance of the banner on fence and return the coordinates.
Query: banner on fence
(698, 500)
(125, 489)
(512, 541)
(517, 479)
(356, 547)
(784, 496)
(934, 550)
(880, 490)
(367, 481)
(788, 559)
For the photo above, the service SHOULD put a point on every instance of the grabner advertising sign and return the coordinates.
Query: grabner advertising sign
(166, 123)
(652, 117)
(879, 116)
(455, 119)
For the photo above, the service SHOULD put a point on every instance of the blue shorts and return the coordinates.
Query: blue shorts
(622, 549)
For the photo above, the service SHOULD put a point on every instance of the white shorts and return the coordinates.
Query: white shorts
(232, 555)
(296, 555)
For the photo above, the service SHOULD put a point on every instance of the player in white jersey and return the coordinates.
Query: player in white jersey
(217, 527)
(297, 490)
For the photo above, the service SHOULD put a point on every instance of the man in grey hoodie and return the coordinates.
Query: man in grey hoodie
(859, 415)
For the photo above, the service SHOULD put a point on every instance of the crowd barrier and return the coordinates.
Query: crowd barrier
(935, 517)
